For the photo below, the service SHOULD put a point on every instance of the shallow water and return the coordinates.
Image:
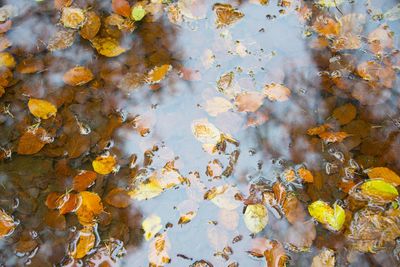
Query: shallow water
(119, 113)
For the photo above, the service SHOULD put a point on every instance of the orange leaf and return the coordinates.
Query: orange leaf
(306, 175)
(7, 224)
(333, 137)
(104, 164)
(91, 207)
(83, 180)
(318, 130)
(121, 7)
(78, 76)
(345, 114)
(91, 27)
(85, 243)
(68, 203)
(51, 200)
(32, 142)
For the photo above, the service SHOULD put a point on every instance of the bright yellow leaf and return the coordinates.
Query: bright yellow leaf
(332, 217)
(41, 108)
(104, 164)
(85, 243)
(256, 217)
(379, 190)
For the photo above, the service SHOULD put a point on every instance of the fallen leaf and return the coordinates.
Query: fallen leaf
(147, 190)
(61, 40)
(333, 137)
(51, 200)
(78, 76)
(193, 9)
(7, 60)
(68, 202)
(83, 180)
(121, 7)
(138, 13)
(118, 197)
(55, 220)
(226, 15)
(381, 39)
(277, 92)
(32, 141)
(158, 73)
(223, 197)
(104, 164)
(41, 108)
(86, 242)
(330, 3)
(30, 65)
(7, 224)
(305, 175)
(187, 217)
(393, 13)
(91, 26)
(90, 208)
(383, 173)
(107, 46)
(332, 217)
(256, 217)
(72, 17)
(379, 190)
(326, 26)
(326, 258)
(151, 226)
(158, 253)
(318, 130)
(59, 4)
(249, 101)
(275, 254)
(345, 114)
(217, 105)
(205, 132)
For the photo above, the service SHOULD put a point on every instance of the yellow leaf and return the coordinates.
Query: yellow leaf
(151, 226)
(187, 217)
(147, 190)
(7, 60)
(385, 173)
(332, 217)
(85, 243)
(107, 46)
(256, 217)
(72, 17)
(104, 164)
(157, 74)
(90, 207)
(41, 108)
(379, 190)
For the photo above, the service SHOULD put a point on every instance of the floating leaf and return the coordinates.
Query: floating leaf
(90, 208)
(118, 197)
(7, 60)
(332, 217)
(256, 217)
(151, 226)
(68, 202)
(147, 190)
(72, 17)
(187, 217)
(205, 132)
(32, 141)
(7, 224)
(345, 114)
(91, 27)
(384, 173)
(157, 74)
(226, 15)
(107, 46)
(305, 175)
(326, 258)
(217, 105)
(41, 108)
(326, 26)
(83, 180)
(78, 76)
(104, 164)
(277, 92)
(249, 101)
(86, 242)
(138, 13)
(121, 7)
(379, 190)
(333, 137)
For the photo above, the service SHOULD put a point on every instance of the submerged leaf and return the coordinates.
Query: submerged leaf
(78, 76)
(83, 180)
(332, 217)
(118, 197)
(107, 46)
(147, 190)
(384, 173)
(249, 101)
(72, 17)
(379, 190)
(326, 258)
(90, 208)
(206, 132)
(32, 141)
(277, 92)
(86, 242)
(41, 108)
(91, 27)
(217, 105)
(256, 217)
(104, 164)
(157, 74)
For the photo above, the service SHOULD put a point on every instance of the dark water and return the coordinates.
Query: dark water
(272, 43)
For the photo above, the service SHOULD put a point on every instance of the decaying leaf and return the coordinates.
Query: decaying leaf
(32, 141)
(326, 258)
(158, 73)
(91, 27)
(378, 189)
(118, 197)
(305, 175)
(90, 208)
(61, 40)
(121, 7)
(206, 132)
(333, 137)
(277, 92)
(217, 105)
(104, 164)
(78, 76)
(223, 196)
(151, 226)
(226, 15)
(249, 101)
(85, 242)
(83, 180)
(72, 17)
(107, 46)
(345, 114)
(256, 217)
(7, 224)
(332, 217)
(41, 108)
(383, 173)
(147, 190)
(159, 247)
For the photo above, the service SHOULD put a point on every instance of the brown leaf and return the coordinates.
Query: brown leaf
(345, 114)
(78, 76)
(32, 141)
(118, 197)
(68, 203)
(121, 7)
(55, 220)
(226, 15)
(30, 65)
(59, 4)
(83, 180)
(91, 27)
(77, 144)
(51, 200)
